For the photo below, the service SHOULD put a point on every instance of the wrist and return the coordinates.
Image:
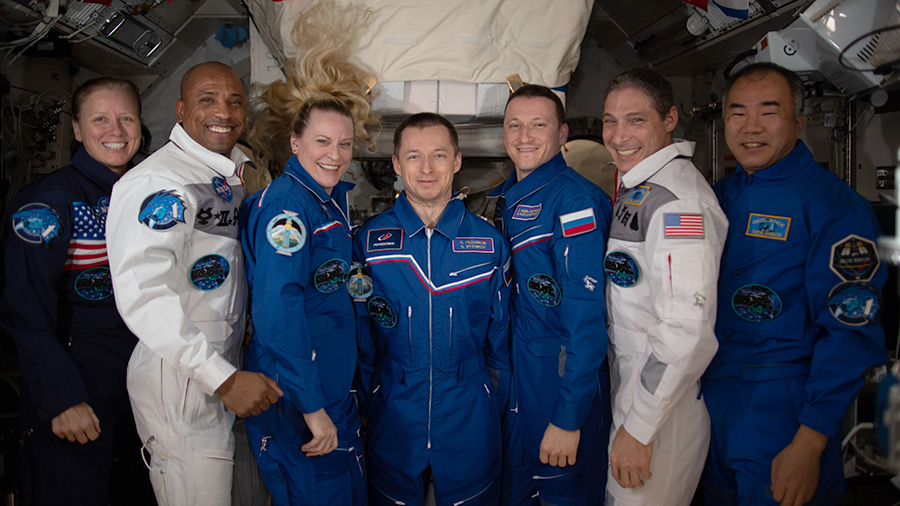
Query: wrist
(811, 439)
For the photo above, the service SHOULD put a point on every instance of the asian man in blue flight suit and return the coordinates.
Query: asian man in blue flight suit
(799, 301)
(433, 332)
(557, 223)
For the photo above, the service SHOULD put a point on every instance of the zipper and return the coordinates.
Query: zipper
(395, 501)
(566, 255)
(536, 477)
(454, 274)
(430, 347)
(187, 388)
(457, 503)
(409, 332)
(450, 346)
(488, 390)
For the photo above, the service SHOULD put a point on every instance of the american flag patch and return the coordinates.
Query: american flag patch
(578, 222)
(87, 247)
(684, 225)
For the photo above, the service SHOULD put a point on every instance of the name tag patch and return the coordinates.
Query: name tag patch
(527, 213)
(384, 239)
(579, 222)
(473, 244)
(854, 258)
(637, 195)
(768, 227)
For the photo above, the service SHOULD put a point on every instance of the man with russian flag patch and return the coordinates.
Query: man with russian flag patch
(799, 303)
(662, 263)
(557, 424)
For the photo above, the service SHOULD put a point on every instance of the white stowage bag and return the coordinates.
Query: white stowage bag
(472, 41)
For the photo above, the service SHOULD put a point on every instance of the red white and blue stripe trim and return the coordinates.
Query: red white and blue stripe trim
(578, 222)
(531, 241)
(328, 226)
(409, 260)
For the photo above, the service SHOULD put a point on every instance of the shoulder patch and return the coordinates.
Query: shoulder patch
(684, 226)
(286, 233)
(579, 222)
(854, 258)
(222, 188)
(637, 195)
(768, 227)
(527, 213)
(855, 304)
(384, 239)
(36, 223)
(162, 210)
(473, 244)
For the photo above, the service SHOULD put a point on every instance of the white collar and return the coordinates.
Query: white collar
(218, 162)
(651, 165)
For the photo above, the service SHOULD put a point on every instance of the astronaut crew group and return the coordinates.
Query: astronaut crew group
(479, 351)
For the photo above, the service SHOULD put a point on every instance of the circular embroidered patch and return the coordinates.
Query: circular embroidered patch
(622, 269)
(36, 223)
(103, 207)
(544, 290)
(382, 312)
(223, 189)
(756, 303)
(162, 210)
(855, 303)
(286, 233)
(94, 284)
(359, 284)
(209, 272)
(331, 275)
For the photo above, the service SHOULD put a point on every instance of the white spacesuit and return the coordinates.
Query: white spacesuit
(662, 262)
(178, 272)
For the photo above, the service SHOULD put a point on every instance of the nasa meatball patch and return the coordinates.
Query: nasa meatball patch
(162, 210)
(854, 258)
(384, 239)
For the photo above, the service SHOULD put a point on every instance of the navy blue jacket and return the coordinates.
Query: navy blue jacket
(800, 283)
(72, 344)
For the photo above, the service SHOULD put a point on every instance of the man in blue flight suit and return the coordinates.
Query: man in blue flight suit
(799, 300)
(433, 334)
(557, 223)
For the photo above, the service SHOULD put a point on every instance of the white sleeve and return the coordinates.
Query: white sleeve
(150, 276)
(683, 275)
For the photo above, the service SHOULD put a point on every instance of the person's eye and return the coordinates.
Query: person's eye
(347, 144)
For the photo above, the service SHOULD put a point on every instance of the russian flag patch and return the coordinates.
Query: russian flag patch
(578, 222)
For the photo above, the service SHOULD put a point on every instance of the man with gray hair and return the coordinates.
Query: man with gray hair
(662, 263)
(799, 300)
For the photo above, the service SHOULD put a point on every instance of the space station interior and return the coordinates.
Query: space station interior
(461, 59)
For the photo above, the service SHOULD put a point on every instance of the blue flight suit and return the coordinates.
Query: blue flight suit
(73, 346)
(799, 300)
(557, 223)
(434, 355)
(296, 242)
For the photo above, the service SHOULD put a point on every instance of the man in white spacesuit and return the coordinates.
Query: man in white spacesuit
(662, 262)
(176, 260)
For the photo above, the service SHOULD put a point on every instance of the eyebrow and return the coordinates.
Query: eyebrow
(735, 105)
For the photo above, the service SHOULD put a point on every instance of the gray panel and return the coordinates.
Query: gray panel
(630, 221)
(653, 373)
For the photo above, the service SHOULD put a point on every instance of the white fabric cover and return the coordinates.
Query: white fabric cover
(476, 41)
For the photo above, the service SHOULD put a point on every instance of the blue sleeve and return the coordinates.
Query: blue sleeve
(578, 262)
(844, 347)
(367, 346)
(30, 307)
(278, 304)
(496, 351)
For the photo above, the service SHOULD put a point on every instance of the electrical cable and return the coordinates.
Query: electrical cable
(882, 69)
